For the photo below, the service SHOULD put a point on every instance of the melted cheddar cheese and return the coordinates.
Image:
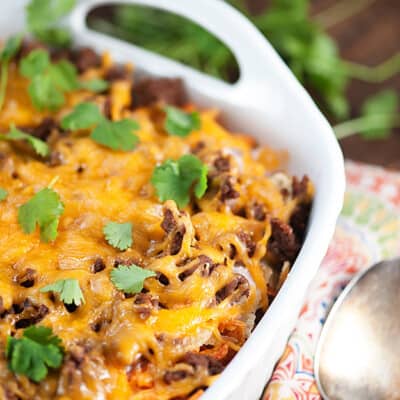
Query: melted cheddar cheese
(204, 299)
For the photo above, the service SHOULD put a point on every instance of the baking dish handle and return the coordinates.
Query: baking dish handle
(257, 59)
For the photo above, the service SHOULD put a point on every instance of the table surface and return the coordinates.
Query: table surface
(369, 37)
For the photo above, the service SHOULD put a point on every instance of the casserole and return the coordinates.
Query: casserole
(268, 103)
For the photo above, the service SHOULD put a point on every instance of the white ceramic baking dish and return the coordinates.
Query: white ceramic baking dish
(268, 103)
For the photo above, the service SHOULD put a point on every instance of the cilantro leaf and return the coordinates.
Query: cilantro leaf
(173, 180)
(49, 81)
(69, 290)
(3, 194)
(180, 123)
(95, 85)
(83, 116)
(34, 353)
(56, 37)
(130, 279)
(64, 75)
(35, 63)
(44, 95)
(44, 209)
(9, 50)
(41, 148)
(382, 107)
(118, 235)
(43, 16)
(116, 135)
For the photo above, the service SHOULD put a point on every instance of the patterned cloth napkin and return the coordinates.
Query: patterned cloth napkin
(368, 230)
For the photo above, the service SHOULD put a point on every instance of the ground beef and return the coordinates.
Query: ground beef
(144, 303)
(27, 313)
(43, 130)
(177, 239)
(299, 219)
(198, 361)
(116, 72)
(238, 284)
(227, 190)
(203, 262)
(98, 265)
(246, 239)
(258, 212)
(26, 278)
(283, 243)
(85, 58)
(222, 164)
(168, 224)
(174, 376)
(299, 187)
(153, 90)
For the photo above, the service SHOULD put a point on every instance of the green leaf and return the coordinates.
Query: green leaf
(83, 116)
(383, 107)
(116, 135)
(42, 18)
(180, 123)
(95, 85)
(56, 37)
(173, 180)
(130, 279)
(41, 148)
(42, 15)
(3, 194)
(69, 290)
(44, 95)
(10, 48)
(34, 353)
(64, 75)
(43, 209)
(35, 63)
(118, 235)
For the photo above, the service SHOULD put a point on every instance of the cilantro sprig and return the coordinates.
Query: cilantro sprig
(3, 194)
(130, 278)
(117, 135)
(174, 180)
(49, 82)
(34, 353)
(180, 123)
(39, 146)
(379, 114)
(43, 209)
(68, 289)
(118, 235)
(43, 17)
(9, 50)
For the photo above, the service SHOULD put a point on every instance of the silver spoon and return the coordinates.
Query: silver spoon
(358, 354)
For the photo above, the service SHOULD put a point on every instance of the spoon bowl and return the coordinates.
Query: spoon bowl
(358, 354)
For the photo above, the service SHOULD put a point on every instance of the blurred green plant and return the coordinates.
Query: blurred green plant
(170, 35)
